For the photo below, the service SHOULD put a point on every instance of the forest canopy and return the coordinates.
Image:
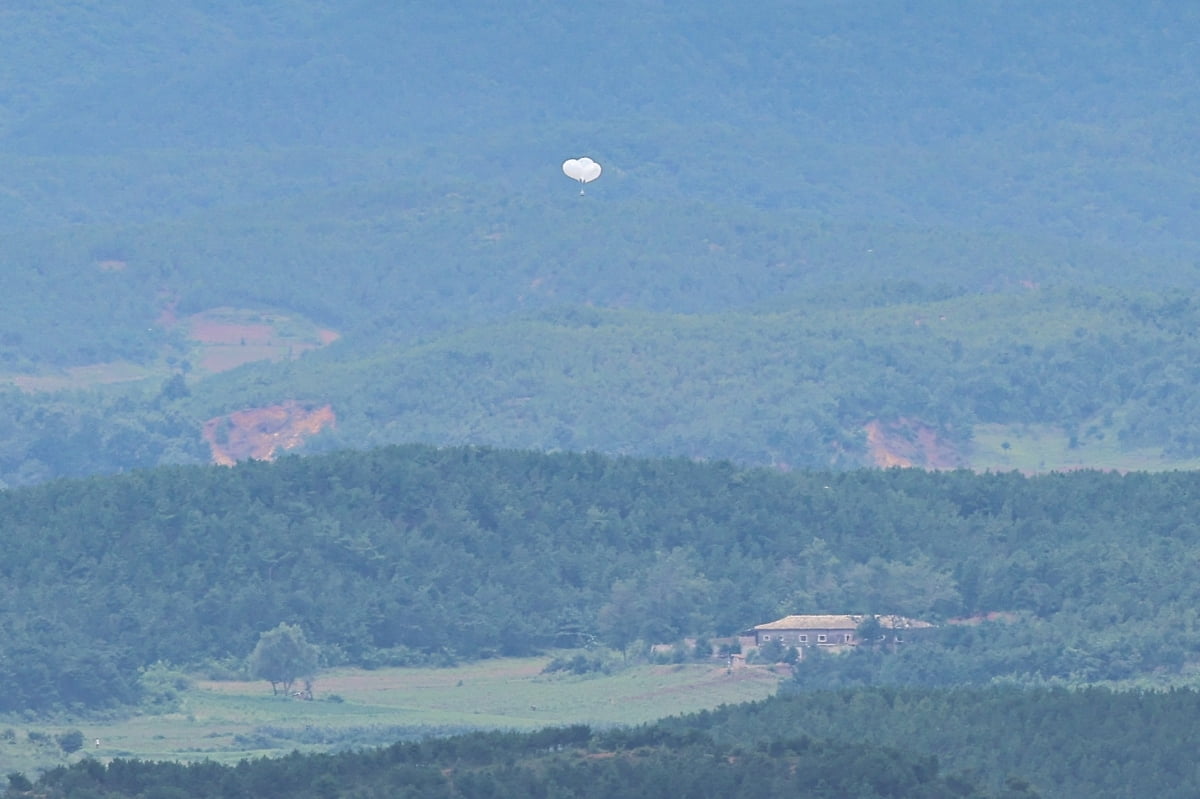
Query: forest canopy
(792, 200)
(417, 554)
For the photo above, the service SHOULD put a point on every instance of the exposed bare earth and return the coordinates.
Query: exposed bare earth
(909, 443)
(230, 337)
(260, 433)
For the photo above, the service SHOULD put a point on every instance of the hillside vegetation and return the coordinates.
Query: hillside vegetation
(569, 761)
(962, 236)
(778, 183)
(1001, 741)
(420, 555)
(1106, 375)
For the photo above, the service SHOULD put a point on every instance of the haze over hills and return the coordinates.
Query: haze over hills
(388, 173)
(828, 235)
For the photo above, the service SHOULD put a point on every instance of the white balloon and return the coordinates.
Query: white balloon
(584, 170)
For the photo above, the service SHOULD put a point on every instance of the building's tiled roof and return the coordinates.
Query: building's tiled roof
(839, 622)
(827, 622)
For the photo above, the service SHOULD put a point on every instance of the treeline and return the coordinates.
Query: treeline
(415, 554)
(573, 761)
(1069, 744)
(1000, 741)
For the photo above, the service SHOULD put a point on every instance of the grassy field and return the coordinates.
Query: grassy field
(229, 721)
(1036, 449)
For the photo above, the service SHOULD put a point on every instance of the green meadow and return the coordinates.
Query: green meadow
(1041, 448)
(228, 721)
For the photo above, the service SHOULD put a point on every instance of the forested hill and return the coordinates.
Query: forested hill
(386, 174)
(1035, 380)
(396, 165)
(414, 554)
(796, 387)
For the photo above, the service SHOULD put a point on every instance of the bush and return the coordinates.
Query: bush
(19, 783)
(70, 741)
(579, 663)
(770, 652)
(161, 686)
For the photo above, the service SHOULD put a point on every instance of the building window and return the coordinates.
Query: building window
(822, 638)
(766, 638)
(802, 638)
(847, 637)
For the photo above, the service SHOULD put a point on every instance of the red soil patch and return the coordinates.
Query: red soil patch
(230, 337)
(211, 331)
(908, 443)
(260, 433)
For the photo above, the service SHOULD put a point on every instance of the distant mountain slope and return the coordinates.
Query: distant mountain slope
(393, 145)
(795, 388)
(391, 171)
(1031, 378)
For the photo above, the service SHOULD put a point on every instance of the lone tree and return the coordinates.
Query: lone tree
(282, 656)
(71, 741)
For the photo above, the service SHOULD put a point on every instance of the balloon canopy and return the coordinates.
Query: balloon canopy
(585, 170)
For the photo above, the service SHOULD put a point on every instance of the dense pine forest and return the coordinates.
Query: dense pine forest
(415, 554)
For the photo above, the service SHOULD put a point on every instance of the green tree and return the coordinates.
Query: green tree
(18, 783)
(870, 631)
(70, 741)
(282, 656)
(618, 620)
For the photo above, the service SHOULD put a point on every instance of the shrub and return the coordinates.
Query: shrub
(70, 741)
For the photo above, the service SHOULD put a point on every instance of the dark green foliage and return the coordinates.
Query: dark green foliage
(792, 387)
(578, 663)
(282, 656)
(1069, 744)
(80, 433)
(553, 762)
(18, 783)
(414, 554)
(70, 741)
(161, 687)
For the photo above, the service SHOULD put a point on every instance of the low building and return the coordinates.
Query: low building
(828, 629)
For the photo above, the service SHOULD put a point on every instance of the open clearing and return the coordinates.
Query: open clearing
(1038, 449)
(229, 721)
